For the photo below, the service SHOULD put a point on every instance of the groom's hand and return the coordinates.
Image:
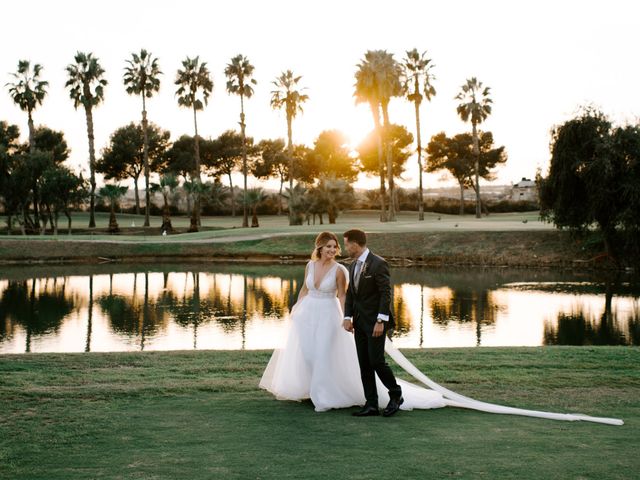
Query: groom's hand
(378, 329)
(347, 325)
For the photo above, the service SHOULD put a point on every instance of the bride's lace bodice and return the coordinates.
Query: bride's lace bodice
(328, 286)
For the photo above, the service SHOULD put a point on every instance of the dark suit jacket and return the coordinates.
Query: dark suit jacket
(373, 295)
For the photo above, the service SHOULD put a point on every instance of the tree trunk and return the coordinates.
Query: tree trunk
(196, 200)
(461, 198)
(55, 224)
(233, 197)
(245, 211)
(476, 156)
(145, 155)
(188, 197)
(113, 223)
(9, 223)
(66, 212)
(166, 217)
(376, 123)
(387, 142)
(418, 139)
(254, 218)
(137, 194)
(43, 226)
(92, 161)
(332, 216)
(32, 150)
(291, 201)
(280, 196)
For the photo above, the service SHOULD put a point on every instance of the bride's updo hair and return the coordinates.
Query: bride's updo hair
(321, 240)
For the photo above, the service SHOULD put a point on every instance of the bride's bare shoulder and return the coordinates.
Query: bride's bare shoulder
(342, 271)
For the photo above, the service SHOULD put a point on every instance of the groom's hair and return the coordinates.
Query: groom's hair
(355, 235)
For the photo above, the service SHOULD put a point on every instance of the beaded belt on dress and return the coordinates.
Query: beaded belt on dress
(319, 294)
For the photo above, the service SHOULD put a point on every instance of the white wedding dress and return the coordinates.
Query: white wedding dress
(319, 362)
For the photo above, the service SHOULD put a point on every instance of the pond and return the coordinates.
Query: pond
(117, 307)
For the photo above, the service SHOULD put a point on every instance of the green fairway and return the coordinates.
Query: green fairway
(200, 415)
(509, 239)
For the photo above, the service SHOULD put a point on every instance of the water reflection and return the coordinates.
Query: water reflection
(114, 308)
(38, 306)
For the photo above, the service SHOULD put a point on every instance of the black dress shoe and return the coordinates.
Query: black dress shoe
(367, 411)
(393, 406)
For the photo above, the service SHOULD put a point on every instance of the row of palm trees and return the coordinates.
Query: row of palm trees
(378, 78)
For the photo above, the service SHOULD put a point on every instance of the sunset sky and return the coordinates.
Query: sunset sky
(541, 59)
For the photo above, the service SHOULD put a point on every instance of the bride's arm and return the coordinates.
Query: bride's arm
(303, 290)
(341, 281)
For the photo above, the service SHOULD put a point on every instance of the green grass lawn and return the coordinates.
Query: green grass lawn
(200, 415)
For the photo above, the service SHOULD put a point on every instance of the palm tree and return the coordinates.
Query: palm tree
(28, 91)
(389, 73)
(239, 82)
(254, 197)
(113, 193)
(195, 190)
(367, 90)
(141, 78)
(287, 95)
(475, 107)
(417, 74)
(168, 183)
(194, 86)
(86, 87)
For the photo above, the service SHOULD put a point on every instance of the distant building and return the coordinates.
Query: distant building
(525, 190)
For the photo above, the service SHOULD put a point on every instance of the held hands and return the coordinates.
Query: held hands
(348, 325)
(378, 329)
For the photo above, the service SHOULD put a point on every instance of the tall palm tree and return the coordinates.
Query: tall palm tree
(141, 78)
(194, 87)
(86, 87)
(239, 82)
(389, 73)
(475, 107)
(417, 75)
(367, 90)
(28, 91)
(287, 95)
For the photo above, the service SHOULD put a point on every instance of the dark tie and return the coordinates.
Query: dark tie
(356, 274)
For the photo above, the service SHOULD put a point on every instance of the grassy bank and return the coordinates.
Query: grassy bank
(169, 415)
(515, 249)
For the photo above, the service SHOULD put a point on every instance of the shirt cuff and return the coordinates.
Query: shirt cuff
(383, 317)
(348, 318)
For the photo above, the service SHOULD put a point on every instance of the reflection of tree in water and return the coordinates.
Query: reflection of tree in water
(580, 328)
(132, 315)
(465, 306)
(226, 305)
(402, 316)
(38, 305)
(634, 327)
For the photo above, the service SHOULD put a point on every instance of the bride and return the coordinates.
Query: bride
(319, 360)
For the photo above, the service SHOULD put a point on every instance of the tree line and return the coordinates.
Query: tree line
(593, 182)
(318, 177)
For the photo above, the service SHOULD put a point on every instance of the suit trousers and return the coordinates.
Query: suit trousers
(372, 361)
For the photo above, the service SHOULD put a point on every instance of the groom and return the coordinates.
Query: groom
(368, 314)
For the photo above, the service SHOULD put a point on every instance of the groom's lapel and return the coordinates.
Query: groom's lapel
(351, 271)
